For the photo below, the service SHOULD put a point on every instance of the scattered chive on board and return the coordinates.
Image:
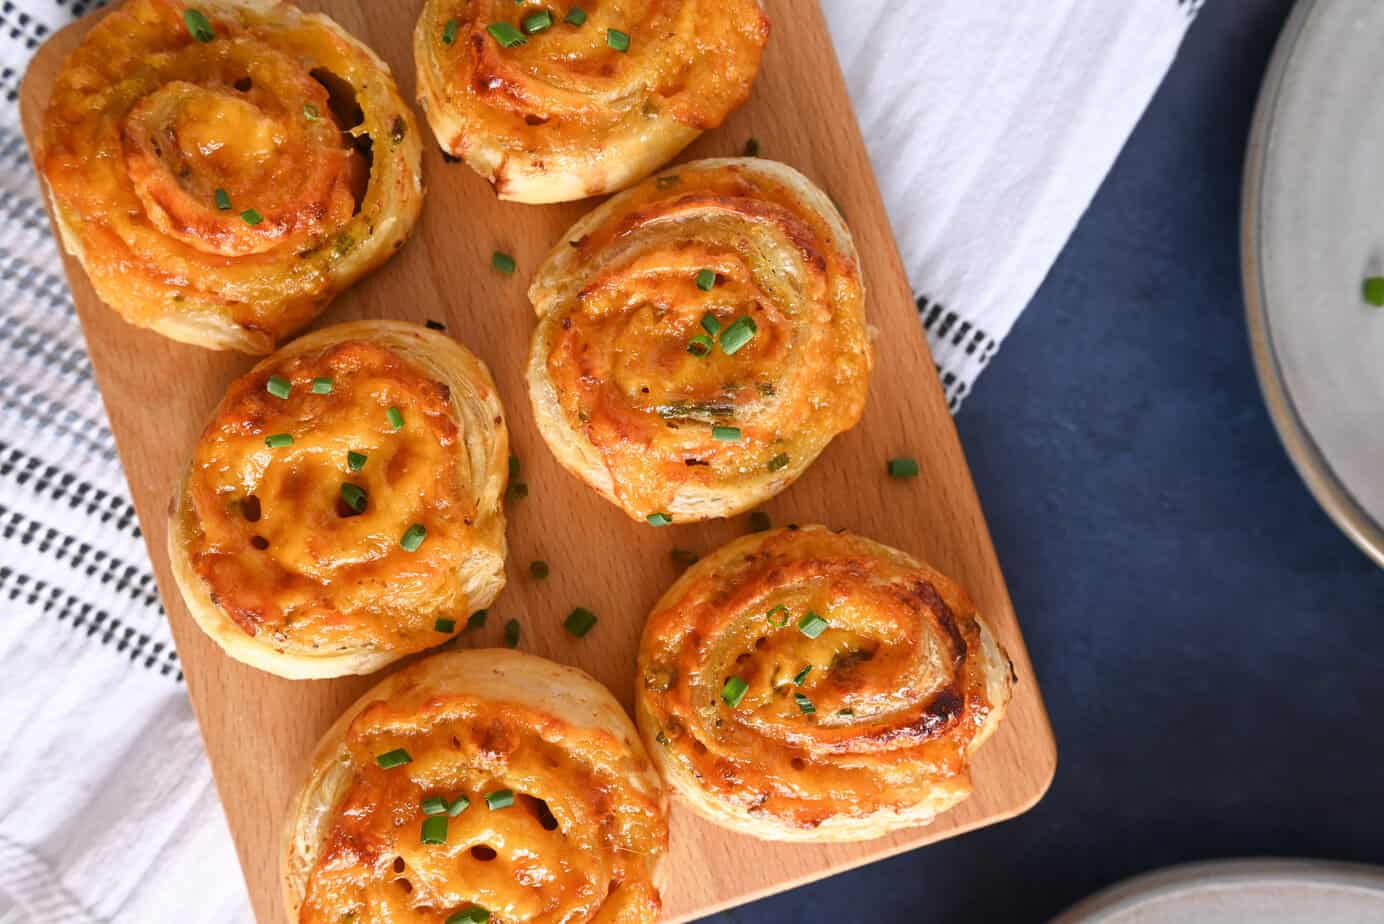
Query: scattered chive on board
(477, 619)
(499, 799)
(683, 557)
(395, 758)
(518, 490)
(579, 621)
(759, 521)
(539, 569)
(198, 26)
(278, 440)
(445, 626)
(1373, 290)
(503, 262)
(752, 147)
(812, 625)
(278, 386)
(903, 468)
(413, 537)
(505, 34)
(512, 634)
(618, 40)
(734, 691)
(514, 466)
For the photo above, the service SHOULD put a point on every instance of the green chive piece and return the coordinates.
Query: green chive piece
(311, 113)
(845, 712)
(801, 675)
(445, 626)
(726, 434)
(395, 758)
(505, 34)
(804, 704)
(1374, 291)
(278, 440)
(473, 915)
(460, 805)
(740, 332)
(539, 569)
(684, 557)
(812, 625)
(413, 537)
(538, 22)
(477, 619)
(778, 462)
(223, 199)
(499, 799)
(278, 386)
(668, 182)
(706, 280)
(449, 32)
(514, 466)
(778, 616)
(752, 147)
(576, 16)
(503, 262)
(710, 324)
(434, 830)
(618, 40)
(434, 805)
(659, 519)
(353, 496)
(518, 490)
(512, 634)
(903, 468)
(700, 345)
(734, 691)
(355, 461)
(252, 217)
(396, 418)
(759, 521)
(579, 621)
(322, 386)
(198, 25)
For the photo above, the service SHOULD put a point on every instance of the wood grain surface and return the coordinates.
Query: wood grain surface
(259, 729)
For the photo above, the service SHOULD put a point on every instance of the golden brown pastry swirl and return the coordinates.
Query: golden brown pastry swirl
(558, 102)
(807, 685)
(473, 786)
(223, 168)
(701, 338)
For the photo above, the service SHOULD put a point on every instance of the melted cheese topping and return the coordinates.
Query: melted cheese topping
(279, 548)
(892, 695)
(578, 844)
(618, 337)
(156, 145)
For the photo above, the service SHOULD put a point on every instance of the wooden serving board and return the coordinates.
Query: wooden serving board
(260, 729)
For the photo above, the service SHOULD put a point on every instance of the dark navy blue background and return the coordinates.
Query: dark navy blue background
(1211, 648)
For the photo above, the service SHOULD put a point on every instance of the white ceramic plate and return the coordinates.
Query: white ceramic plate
(1239, 892)
(1313, 229)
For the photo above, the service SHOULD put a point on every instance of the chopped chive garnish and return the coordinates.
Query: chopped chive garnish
(778, 616)
(477, 619)
(752, 147)
(434, 830)
(396, 418)
(198, 25)
(322, 386)
(710, 324)
(734, 691)
(740, 332)
(518, 490)
(779, 461)
(278, 440)
(413, 537)
(252, 216)
(706, 280)
(473, 915)
(1374, 291)
(726, 434)
(499, 799)
(812, 625)
(617, 40)
(903, 468)
(395, 758)
(278, 386)
(579, 621)
(801, 675)
(539, 569)
(514, 466)
(449, 32)
(512, 634)
(434, 805)
(538, 22)
(458, 806)
(684, 557)
(445, 626)
(311, 113)
(804, 704)
(353, 496)
(700, 345)
(845, 712)
(503, 262)
(759, 521)
(223, 199)
(669, 181)
(505, 34)
(659, 519)
(576, 16)
(355, 461)
(430, 324)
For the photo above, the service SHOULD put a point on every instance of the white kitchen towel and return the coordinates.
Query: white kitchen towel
(991, 123)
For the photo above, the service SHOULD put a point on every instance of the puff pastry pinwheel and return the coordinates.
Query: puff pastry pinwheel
(807, 685)
(478, 786)
(701, 338)
(342, 508)
(559, 102)
(223, 168)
